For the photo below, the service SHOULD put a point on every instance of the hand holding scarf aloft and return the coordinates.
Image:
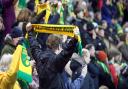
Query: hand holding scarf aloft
(69, 30)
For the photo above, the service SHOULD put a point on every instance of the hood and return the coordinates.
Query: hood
(8, 39)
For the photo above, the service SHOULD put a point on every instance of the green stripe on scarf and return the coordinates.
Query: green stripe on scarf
(79, 47)
(25, 71)
(103, 66)
(27, 77)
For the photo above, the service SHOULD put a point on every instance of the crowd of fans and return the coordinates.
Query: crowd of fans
(103, 26)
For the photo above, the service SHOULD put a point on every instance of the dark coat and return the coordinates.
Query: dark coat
(98, 42)
(8, 47)
(123, 82)
(125, 19)
(94, 71)
(76, 84)
(105, 78)
(88, 82)
(108, 11)
(1, 41)
(49, 65)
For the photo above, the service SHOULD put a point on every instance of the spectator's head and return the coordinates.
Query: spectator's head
(30, 5)
(114, 20)
(24, 15)
(101, 32)
(125, 26)
(103, 87)
(108, 2)
(124, 37)
(126, 30)
(16, 35)
(90, 27)
(76, 65)
(96, 27)
(1, 24)
(80, 14)
(104, 24)
(5, 62)
(98, 15)
(86, 55)
(115, 56)
(91, 16)
(101, 55)
(53, 42)
(78, 58)
(91, 49)
(81, 9)
(82, 4)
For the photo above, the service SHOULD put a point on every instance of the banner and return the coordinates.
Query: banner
(42, 7)
(25, 70)
(58, 29)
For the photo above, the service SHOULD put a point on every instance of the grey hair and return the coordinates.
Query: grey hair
(5, 62)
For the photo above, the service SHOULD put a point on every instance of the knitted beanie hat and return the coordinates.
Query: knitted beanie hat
(16, 32)
(101, 55)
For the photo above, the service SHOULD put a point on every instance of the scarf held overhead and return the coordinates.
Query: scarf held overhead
(58, 29)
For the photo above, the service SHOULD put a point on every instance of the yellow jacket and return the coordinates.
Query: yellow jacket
(8, 79)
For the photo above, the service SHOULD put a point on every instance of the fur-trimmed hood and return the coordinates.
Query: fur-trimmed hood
(8, 39)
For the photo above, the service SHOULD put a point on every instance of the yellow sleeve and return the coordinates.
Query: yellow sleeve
(11, 73)
(8, 79)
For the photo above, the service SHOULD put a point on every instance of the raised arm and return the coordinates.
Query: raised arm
(62, 59)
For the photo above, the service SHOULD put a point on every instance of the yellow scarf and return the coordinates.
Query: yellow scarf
(58, 29)
(25, 70)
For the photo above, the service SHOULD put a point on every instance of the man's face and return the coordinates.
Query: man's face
(105, 25)
(16, 40)
(101, 33)
(98, 15)
(80, 14)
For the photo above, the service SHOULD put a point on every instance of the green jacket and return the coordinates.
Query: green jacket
(8, 48)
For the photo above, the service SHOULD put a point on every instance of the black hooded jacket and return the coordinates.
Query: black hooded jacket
(49, 65)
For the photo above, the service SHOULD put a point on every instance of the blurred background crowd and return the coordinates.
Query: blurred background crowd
(103, 26)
